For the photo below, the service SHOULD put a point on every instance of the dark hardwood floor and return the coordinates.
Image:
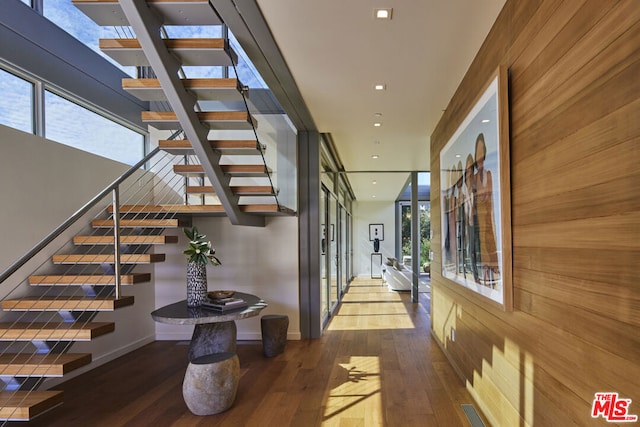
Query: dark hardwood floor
(376, 365)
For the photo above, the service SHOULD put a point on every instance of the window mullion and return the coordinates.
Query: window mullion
(38, 109)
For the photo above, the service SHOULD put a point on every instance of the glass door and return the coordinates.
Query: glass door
(332, 254)
(343, 251)
(324, 279)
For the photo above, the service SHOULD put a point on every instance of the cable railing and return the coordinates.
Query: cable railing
(58, 291)
(275, 131)
(260, 148)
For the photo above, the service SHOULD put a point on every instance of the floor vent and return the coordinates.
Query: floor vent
(473, 416)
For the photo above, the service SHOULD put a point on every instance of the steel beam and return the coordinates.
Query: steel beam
(147, 29)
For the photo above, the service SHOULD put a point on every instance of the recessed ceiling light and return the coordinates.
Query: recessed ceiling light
(383, 13)
(458, 156)
(375, 156)
(374, 182)
(374, 196)
(486, 121)
(380, 86)
(377, 114)
(376, 142)
(377, 124)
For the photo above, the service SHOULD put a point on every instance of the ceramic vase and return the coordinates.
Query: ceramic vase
(196, 284)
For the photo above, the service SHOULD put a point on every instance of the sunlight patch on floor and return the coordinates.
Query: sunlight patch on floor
(354, 392)
(369, 307)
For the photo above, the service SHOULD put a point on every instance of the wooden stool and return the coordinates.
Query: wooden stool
(211, 382)
(274, 333)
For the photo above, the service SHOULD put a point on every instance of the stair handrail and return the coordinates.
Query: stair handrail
(75, 217)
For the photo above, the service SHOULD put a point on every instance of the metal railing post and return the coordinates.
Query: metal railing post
(116, 238)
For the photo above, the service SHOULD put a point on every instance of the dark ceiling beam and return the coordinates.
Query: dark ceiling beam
(245, 20)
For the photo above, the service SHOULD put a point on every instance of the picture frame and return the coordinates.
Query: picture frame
(331, 232)
(475, 198)
(376, 231)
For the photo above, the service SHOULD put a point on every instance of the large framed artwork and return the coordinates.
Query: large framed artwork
(476, 199)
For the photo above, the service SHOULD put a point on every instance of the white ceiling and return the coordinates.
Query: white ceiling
(336, 52)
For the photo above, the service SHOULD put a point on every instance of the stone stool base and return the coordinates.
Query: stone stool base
(211, 382)
(212, 338)
(274, 333)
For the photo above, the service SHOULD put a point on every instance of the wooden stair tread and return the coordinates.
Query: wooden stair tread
(205, 89)
(178, 209)
(54, 331)
(140, 223)
(25, 405)
(125, 240)
(217, 120)
(190, 51)
(239, 190)
(178, 43)
(107, 258)
(108, 13)
(271, 208)
(235, 170)
(231, 147)
(66, 303)
(42, 365)
(88, 279)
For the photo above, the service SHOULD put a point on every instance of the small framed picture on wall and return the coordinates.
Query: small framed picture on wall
(376, 231)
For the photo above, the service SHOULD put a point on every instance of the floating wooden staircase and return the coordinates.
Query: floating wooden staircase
(229, 167)
(24, 404)
(197, 105)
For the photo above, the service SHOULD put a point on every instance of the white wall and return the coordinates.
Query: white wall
(365, 213)
(42, 183)
(258, 260)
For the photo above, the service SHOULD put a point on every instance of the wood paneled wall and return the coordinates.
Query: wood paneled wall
(575, 176)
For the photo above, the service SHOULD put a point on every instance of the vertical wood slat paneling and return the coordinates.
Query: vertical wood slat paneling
(575, 156)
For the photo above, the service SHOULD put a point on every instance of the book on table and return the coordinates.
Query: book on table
(224, 304)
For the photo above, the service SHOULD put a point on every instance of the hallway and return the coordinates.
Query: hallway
(376, 365)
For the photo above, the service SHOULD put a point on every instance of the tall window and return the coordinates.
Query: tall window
(66, 16)
(425, 230)
(73, 125)
(16, 102)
